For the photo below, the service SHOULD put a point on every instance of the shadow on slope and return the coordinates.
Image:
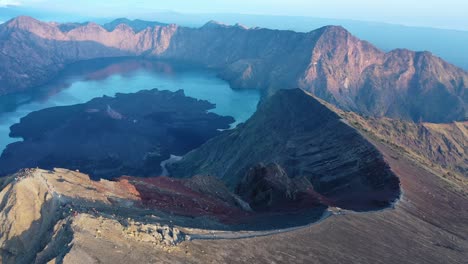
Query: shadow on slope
(295, 153)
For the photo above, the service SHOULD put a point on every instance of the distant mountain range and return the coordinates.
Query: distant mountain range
(449, 44)
(329, 62)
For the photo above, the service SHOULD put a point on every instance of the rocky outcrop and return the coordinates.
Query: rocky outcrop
(42, 211)
(130, 134)
(154, 233)
(27, 213)
(306, 140)
(329, 62)
(267, 187)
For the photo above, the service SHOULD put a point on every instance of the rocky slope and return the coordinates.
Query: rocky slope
(130, 134)
(61, 216)
(329, 62)
(72, 219)
(427, 225)
(439, 146)
(309, 147)
(41, 212)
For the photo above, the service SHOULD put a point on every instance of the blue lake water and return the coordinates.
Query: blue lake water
(82, 82)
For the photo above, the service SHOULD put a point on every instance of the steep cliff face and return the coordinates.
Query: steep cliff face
(154, 40)
(329, 62)
(27, 214)
(248, 58)
(337, 64)
(32, 52)
(122, 36)
(356, 76)
(307, 140)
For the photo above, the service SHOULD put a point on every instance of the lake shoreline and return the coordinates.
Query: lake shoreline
(85, 80)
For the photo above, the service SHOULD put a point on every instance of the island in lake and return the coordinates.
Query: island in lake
(107, 137)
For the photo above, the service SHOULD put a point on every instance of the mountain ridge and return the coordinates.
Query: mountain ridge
(329, 62)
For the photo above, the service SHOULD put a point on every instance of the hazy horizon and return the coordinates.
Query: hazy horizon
(449, 14)
(450, 44)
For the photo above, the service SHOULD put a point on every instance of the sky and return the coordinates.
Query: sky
(430, 13)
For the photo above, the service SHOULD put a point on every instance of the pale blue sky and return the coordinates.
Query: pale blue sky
(432, 13)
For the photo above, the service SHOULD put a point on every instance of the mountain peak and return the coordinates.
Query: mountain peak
(214, 24)
(333, 30)
(294, 116)
(32, 25)
(22, 21)
(122, 20)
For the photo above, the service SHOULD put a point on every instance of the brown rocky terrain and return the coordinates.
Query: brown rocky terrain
(61, 216)
(52, 204)
(427, 225)
(329, 62)
(439, 146)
